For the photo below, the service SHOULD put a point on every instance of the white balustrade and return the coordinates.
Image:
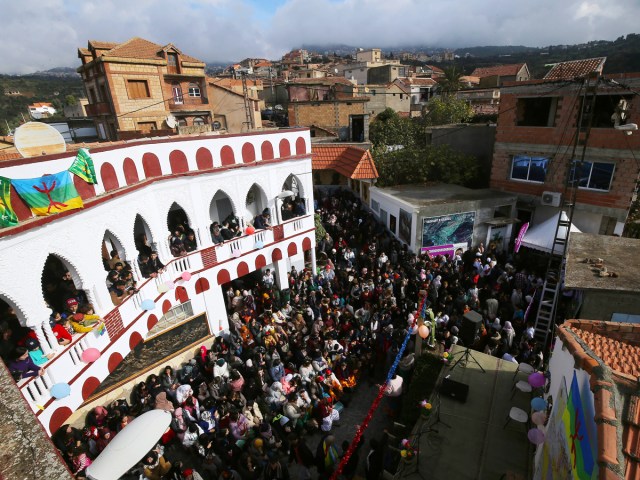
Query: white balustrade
(296, 225)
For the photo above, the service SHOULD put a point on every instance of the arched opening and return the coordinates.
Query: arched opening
(256, 203)
(182, 238)
(293, 203)
(112, 251)
(143, 238)
(120, 277)
(221, 213)
(12, 323)
(60, 284)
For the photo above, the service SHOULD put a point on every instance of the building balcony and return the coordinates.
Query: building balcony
(141, 186)
(128, 324)
(95, 109)
(187, 103)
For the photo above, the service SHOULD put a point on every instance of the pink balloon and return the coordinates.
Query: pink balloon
(90, 355)
(539, 418)
(170, 285)
(423, 331)
(250, 230)
(186, 276)
(535, 436)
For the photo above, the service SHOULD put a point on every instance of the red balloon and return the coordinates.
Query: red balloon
(250, 230)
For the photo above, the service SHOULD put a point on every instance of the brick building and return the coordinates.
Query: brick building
(135, 86)
(535, 135)
(330, 103)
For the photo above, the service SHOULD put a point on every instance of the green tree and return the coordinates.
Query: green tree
(451, 82)
(70, 100)
(445, 110)
(389, 128)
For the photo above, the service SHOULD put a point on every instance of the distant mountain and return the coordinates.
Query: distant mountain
(494, 51)
(56, 72)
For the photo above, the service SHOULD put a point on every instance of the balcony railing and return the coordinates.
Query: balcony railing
(187, 101)
(67, 363)
(102, 108)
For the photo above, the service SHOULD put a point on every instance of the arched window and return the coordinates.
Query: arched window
(198, 120)
(60, 282)
(194, 90)
(176, 92)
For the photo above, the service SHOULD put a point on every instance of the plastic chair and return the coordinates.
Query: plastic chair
(517, 415)
(524, 368)
(522, 386)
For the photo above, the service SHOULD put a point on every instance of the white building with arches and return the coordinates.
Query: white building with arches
(145, 189)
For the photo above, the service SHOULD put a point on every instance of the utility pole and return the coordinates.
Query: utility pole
(247, 103)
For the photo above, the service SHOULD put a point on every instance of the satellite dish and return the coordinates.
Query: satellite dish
(171, 121)
(36, 138)
(216, 125)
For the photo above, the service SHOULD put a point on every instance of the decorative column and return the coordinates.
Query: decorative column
(42, 338)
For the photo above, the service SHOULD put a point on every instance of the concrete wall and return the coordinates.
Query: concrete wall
(601, 305)
(327, 114)
(475, 140)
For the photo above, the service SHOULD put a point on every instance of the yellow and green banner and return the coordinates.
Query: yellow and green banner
(49, 194)
(83, 167)
(8, 217)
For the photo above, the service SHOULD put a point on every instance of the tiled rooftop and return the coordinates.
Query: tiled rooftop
(138, 48)
(425, 82)
(610, 353)
(351, 162)
(575, 68)
(498, 71)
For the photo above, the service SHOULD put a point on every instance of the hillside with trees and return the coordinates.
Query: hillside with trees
(58, 90)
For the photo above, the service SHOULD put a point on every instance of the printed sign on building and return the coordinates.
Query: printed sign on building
(455, 231)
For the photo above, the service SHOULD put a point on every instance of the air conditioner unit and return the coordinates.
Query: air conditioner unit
(551, 199)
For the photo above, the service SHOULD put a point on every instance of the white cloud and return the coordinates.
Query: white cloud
(41, 34)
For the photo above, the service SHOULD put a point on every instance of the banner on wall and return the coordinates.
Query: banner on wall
(455, 229)
(49, 194)
(8, 217)
(83, 167)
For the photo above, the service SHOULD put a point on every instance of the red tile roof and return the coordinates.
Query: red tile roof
(611, 351)
(351, 162)
(435, 69)
(322, 81)
(425, 82)
(102, 45)
(138, 48)
(575, 68)
(498, 71)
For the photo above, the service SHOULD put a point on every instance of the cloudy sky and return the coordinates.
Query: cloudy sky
(41, 34)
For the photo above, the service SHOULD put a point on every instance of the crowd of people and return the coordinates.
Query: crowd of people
(246, 406)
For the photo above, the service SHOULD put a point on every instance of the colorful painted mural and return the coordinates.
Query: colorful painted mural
(581, 444)
(569, 449)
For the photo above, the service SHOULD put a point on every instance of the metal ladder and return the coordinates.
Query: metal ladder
(545, 318)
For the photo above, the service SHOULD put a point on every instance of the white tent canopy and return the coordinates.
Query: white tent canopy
(129, 446)
(541, 236)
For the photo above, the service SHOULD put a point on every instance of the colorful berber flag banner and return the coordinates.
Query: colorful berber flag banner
(49, 194)
(8, 217)
(83, 167)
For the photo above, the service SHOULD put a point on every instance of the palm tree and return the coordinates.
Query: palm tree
(450, 83)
